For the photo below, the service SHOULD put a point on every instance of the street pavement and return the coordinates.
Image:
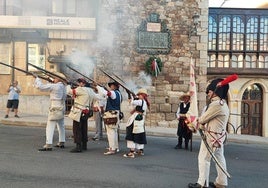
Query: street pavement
(23, 166)
(40, 121)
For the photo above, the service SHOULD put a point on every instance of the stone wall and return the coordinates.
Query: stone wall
(114, 47)
(123, 58)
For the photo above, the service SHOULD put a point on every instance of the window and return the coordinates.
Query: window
(237, 61)
(238, 33)
(223, 61)
(12, 7)
(264, 33)
(263, 61)
(36, 56)
(212, 60)
(239, 38)
(224, 33)
(253, 92)
(35, 8)
(250, 61)
(5, 57)
(63, 7)
(252, 34)
(212, 33)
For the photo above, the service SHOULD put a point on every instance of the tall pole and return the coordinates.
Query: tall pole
(12, 59)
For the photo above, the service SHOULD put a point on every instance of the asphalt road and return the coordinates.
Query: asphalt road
(23, 166)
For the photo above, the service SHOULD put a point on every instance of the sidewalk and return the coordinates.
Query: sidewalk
(40, 121)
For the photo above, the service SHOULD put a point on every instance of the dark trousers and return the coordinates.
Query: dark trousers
(80, 130)
(186, 141)
(183, 132)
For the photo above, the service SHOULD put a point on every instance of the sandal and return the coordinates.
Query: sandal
(139, 152)
(129, 155)
(109, 152)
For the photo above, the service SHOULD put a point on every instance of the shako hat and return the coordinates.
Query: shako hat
(220, 91)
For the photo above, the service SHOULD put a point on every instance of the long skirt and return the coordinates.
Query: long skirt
(139, 138)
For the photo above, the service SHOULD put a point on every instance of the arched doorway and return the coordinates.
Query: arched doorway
(251, 111)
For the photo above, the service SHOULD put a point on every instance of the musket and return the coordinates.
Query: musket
(26, 72)
(92, 80)
(48, 72)
(119, 78)
(118, 81)
(81, 74)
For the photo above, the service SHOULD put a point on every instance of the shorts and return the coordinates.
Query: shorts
(13, 103)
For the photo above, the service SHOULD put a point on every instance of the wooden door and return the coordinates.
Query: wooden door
(251, 111)
(251, 118)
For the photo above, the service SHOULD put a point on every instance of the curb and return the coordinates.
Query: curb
(40, 121)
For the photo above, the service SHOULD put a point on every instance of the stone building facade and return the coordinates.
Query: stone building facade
(108, 36)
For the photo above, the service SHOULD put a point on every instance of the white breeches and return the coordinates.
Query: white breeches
(50, 130)
(112, 135)
(204, 159)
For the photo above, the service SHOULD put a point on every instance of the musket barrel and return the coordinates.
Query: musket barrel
(24, 71)
(47, 72)
(118, 81)
(76, 71)
(79, 73)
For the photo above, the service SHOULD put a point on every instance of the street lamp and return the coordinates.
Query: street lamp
(193, 28)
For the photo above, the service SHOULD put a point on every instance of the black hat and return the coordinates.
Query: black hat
(113, 83)
(220, 91)
(81, 80)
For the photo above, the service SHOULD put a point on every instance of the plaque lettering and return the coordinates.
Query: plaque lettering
(153, 40)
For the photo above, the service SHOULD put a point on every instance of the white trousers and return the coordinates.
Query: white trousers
(132, 145)
(112, 135)
(98, 124)
(50, 130)
(204, 159)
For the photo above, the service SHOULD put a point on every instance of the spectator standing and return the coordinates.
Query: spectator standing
(13, 98)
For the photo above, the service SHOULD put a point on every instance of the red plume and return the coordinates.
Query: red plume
(227, 80)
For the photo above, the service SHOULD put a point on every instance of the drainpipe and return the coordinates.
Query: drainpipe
(13, 60)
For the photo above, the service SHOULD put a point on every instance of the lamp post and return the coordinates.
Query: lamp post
(193, 28)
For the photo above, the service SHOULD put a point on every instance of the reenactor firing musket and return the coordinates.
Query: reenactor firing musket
(120, 82)
(26, 72)
(48, 73)
(92, 80)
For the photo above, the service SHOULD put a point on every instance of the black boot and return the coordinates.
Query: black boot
(77, 149)
(179, 145)
(186, 144)
(59, 145)
(195, 185)
(84, 146)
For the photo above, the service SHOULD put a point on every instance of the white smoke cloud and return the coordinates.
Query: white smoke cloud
(142, 81)
(105, 38)
(83, 63)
